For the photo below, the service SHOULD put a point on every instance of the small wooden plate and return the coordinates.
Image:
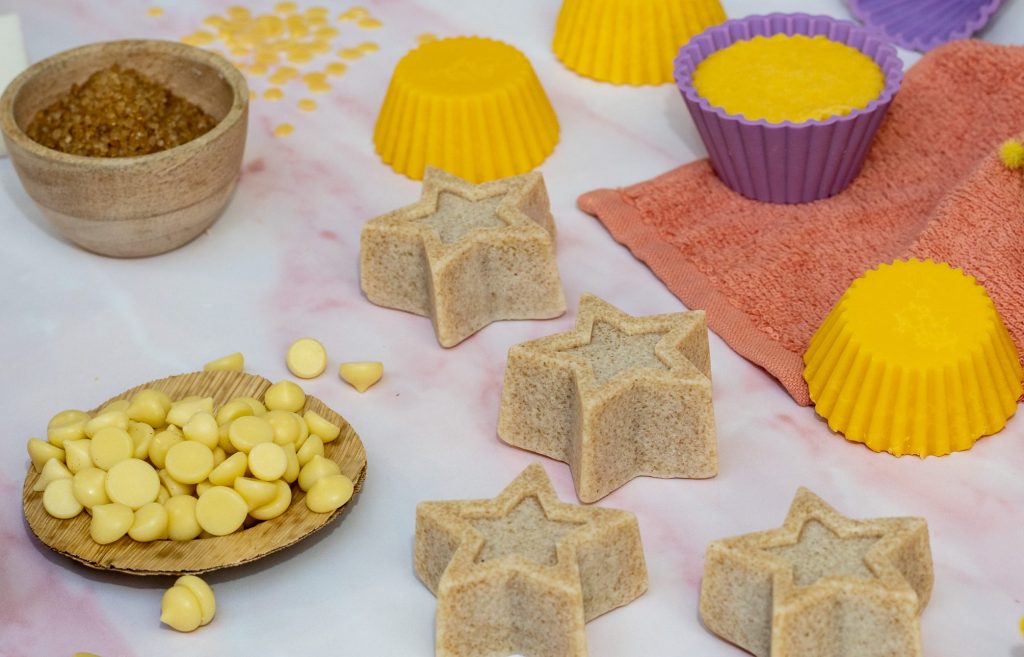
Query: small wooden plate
(71, 537)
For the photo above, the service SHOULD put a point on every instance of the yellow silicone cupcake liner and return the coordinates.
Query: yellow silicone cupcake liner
(471, 106)
(629, 41)
(914, 359)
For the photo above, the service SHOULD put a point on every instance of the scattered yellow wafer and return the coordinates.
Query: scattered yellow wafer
(306, 358)
(361, 375)
(190, 602)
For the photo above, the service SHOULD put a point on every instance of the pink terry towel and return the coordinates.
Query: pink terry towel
(932, 186)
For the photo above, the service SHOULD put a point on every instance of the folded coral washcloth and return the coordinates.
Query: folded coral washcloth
(932, 186)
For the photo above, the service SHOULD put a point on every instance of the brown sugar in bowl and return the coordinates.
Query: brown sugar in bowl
(132, 206)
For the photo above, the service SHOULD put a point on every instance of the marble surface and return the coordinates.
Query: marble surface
(76, 329)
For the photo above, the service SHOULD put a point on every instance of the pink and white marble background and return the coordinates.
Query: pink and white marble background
(281, 263)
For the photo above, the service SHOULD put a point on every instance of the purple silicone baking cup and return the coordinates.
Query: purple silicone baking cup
(787, 162)
(925, 24)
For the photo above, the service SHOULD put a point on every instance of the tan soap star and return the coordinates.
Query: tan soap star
(522, 573)
(616, 397)
(821, 585)
(466, 255)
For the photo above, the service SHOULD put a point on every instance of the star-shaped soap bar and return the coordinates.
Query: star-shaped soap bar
(616, 397)
(821, 585)
(466, 255)
(522, 573)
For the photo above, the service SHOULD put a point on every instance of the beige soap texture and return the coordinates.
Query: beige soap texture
(466, 255)
(616, 397)
(523, 572)
(821, 585)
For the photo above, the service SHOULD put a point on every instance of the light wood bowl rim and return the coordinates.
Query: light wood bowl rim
(231, 75)
(242, 552)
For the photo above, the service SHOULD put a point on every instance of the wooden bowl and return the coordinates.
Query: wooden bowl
(131, 206)
(71, 537)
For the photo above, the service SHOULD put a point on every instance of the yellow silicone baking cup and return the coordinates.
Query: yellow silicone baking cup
(471, 106)
(914, 359)
(629, 41)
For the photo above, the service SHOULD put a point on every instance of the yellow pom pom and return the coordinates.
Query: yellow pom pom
(1012, 154)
